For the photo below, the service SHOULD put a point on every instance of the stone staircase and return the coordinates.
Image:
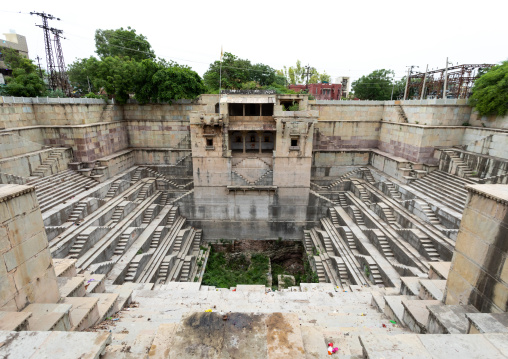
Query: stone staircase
(78, 245)
(444, 188)
(59, 188)
(122, 244)
(459, 166)
(343, 178)
(393, 191)
(51, 165)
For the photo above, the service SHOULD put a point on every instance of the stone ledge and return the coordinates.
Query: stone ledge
(496, 192)
(9, 191)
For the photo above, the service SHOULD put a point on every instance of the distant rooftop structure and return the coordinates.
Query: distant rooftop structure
(14, 41)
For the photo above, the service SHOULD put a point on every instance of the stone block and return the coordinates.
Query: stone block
(24, 251)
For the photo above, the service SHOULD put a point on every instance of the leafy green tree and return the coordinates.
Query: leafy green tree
(263, 74)
(490, 91)
(25, 80)
(122, 43)
(296, 75)
(375, 86)
(163, 81)
(82, 74)
(177, 82)
(235, 72)
(116, 76)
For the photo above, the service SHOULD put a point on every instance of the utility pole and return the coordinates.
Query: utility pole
(307, 73)
(39, 64)
(409, 72)
(52, 76)
(62, 74)
(424, 80)
(445, 80)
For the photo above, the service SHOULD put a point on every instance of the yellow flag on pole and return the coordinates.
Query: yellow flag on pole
(221, 53)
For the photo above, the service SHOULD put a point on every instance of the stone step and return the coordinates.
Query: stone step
(49, 317)
(14, 321)
(55, 345)
(84, 312)
(71, 286)
(106, 304)
(416, 314)
(434, 346)
(449, 319)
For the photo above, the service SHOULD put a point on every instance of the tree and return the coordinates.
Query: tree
(116, 76)
(296, 75)
(238, 73)
(82, 74)
(25, 80)
(375, 86)
(122, 43)
(163, 81)
(490, 91)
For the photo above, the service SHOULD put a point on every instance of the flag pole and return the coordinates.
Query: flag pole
(220, 76)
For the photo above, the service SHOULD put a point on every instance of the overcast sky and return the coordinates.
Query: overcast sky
(343, 38)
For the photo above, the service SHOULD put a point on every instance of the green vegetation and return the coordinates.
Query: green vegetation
(122, 43)
(25, 80)
(378, 86)
(226, 270)
(241, 74)
(297, 74)
(127, 66)
(490, 91)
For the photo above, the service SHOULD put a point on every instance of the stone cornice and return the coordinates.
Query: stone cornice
(13, 190)
(495, 192)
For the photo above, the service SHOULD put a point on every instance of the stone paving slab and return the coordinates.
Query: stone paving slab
(451, 317)
(47, 316)
(14, 321)
(499, 340)
(441, 268)
(436, 288)
(486, 323)
(407, 346)
(52, 345)
(446, 346)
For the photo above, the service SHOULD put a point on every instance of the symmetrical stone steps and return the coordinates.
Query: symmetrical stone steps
(368, 176)
(393, 191)
(113, 190)
(54, 190)
(122, 244)
(445, 188)
(156, 238)
(78, 245)
(357, 214)
(49, 166)
(78, 212)
(384, 246)
(343, 178)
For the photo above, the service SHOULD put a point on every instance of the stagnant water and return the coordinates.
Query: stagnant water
(256, 262)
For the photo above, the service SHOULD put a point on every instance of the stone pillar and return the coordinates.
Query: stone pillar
(260, 136)
(479, 269)
(27, 274)
(244, 134)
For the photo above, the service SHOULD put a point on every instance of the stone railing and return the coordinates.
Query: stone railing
(51, 100)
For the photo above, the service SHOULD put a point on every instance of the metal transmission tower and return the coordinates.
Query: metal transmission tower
(63, 81)
(459, 81)
(52, 75)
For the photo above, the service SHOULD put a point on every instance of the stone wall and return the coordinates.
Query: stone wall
(161, 125)
(13, 115)
(479, 270)
(333, 135)
(27, 274)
